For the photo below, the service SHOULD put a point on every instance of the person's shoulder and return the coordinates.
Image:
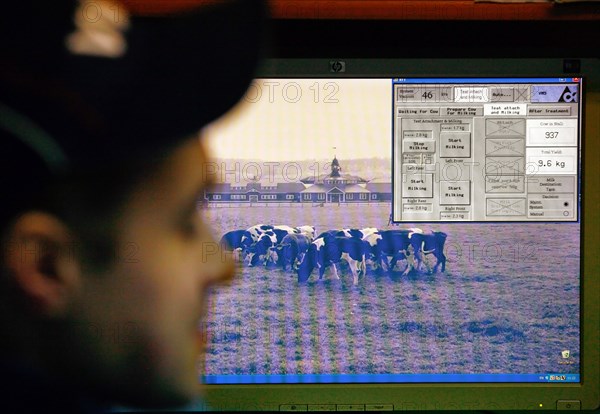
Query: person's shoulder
(25, 388)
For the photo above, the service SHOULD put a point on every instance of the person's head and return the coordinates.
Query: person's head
(114, 299)
(106, 261)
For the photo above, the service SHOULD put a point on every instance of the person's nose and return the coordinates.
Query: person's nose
(218, 264)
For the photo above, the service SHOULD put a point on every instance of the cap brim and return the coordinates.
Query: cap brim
(178, 73)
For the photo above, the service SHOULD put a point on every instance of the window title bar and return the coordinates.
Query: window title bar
(485, 80)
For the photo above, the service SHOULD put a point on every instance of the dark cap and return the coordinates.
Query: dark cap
(90, 83)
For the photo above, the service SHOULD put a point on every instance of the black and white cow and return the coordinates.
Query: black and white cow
(367, 231)
(262, 250)
(251, 236)
(359, 233)
(429, 243)
(354, 233)
(329, 250)
(410, 244)
(250, 241)
(232, 242)
(282, 230)
(332, 233)
(292, 249)
(309, 231)
(254, 232)
(386, 243)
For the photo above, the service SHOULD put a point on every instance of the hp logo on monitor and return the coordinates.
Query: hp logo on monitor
(337, 66)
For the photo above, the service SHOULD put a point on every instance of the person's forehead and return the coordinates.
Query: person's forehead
(189, 164)
(181, 175)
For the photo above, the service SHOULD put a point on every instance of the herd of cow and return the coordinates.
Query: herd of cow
(299, 249)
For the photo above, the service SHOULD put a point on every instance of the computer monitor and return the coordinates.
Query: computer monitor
(450, 207)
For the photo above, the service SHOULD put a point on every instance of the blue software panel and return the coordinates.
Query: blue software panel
(486, 149)
(387, 378)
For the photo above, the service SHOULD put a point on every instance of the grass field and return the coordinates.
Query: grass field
(507, 303)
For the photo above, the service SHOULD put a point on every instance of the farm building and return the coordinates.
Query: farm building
(333, 187)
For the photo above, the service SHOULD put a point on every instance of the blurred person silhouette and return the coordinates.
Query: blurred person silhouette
(105, 259)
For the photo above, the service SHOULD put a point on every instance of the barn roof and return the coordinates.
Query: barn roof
(379, 187)
(354, 188)
(380, 180)
(317, 188)
(327, 177)
(290, 187)
(239, 188)
(334, 176)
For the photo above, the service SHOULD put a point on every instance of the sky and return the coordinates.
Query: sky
(303, 119)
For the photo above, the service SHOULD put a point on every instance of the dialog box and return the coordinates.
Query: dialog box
(486, 149)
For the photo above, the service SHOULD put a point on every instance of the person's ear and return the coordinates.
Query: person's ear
(41, 262)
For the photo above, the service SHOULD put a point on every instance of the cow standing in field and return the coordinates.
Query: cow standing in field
(368, 230)
(251, 236)
(383, 244)
(292, 249)
(411, 244)
(356, 234)
(250, 245)
(332, 233)
(359, 233)
(253, 233)
(282, 230)
(329, 250)
(287, 228)
(262, 250)
(308, 231)
(429, 243)
(265, 247)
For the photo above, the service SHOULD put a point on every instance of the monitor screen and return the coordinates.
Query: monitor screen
(398, 233)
